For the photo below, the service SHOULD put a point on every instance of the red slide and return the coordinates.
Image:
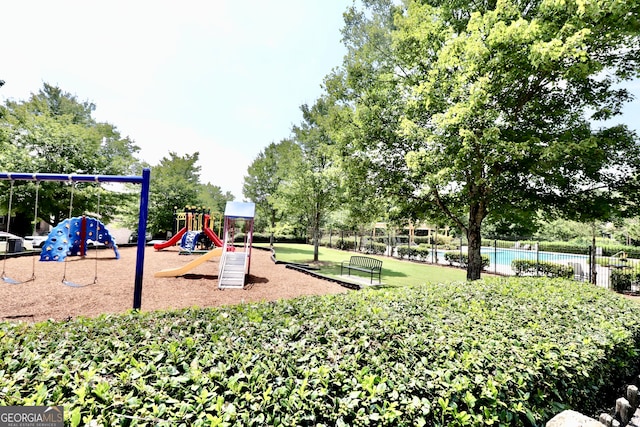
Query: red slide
(214, 238)
(172, 241)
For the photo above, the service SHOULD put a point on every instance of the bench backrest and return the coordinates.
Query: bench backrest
(365, 261)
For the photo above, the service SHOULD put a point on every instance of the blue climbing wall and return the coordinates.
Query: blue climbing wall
(64, 239)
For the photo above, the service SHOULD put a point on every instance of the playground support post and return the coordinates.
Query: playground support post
(142, 233)
(144, 180)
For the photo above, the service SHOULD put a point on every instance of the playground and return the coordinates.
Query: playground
(75, 281)
(47, 298)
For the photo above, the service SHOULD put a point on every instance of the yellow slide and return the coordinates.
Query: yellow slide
(179, 271)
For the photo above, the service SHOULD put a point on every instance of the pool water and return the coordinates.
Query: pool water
(504, 257)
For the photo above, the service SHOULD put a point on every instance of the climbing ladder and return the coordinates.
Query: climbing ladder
(233, 266)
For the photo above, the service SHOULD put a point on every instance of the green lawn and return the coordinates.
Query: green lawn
(394, 272)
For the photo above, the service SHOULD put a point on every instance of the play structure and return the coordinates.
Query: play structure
(235, 261)
(73, 235)
(191, 224)
(235, 265)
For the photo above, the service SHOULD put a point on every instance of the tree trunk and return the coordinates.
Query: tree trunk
(592, 261)
(476, 215)
(316, 235)
(273, 227)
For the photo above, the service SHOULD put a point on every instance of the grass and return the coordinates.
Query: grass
(394, 272)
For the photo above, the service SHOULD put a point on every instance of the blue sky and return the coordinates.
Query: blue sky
(221, 77)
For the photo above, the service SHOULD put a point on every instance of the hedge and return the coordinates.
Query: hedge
(527, 267)
(264, 238)
(414, 252)
(375, 248)
(621, 280)
(489, 352)
(455, 257)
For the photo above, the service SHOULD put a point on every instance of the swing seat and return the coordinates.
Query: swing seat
(10, 280)
(75, 285)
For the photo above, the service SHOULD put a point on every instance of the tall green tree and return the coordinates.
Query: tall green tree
(212, 197)
(498, 100)
(175, 183)
(268, 171)
(54, 132)
(367, 127)
(313, 188)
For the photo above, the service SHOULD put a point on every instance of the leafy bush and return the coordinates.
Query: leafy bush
(422, 251)
(491, 352)
(345, 245)
(631, 251)
(621, 280)
(405, 252)
(462, 259)
(413, 252)
(375, 248)
(264, 238)
(527, 267)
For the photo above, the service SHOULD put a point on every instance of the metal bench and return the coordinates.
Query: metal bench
(363, 263)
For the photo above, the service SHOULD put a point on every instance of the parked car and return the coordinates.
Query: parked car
(134, 237)
(34, 242)
(10, 242)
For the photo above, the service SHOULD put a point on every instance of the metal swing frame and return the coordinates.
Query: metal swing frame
(143, 180)
(64, 274)
(4, 276)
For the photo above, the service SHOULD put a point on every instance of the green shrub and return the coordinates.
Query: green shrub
(527, 267)
(264, 238)
(345, 245)
(462, 259)
(442, 240)
(414, 252)
(405, 252)
(422, 251)
(621, 280)
(490, 352)
(375, 248)
(631, 251)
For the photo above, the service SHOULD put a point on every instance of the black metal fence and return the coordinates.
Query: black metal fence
(605, 266)
(609, 267)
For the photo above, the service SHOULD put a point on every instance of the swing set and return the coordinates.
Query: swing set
(143, 180)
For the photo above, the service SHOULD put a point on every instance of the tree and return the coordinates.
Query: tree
(265, 176)
(367, 126)
(498, 99)
(53, 132)
(174, 185)
(312, 189)
(212, 197)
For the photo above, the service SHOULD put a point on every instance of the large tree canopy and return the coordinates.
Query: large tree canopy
(268, 171)
(174, 185)
(313, 186)
(53, 132)
(496, 102)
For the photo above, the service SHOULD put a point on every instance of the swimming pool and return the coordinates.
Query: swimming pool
(500, 258)
(506, 256)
